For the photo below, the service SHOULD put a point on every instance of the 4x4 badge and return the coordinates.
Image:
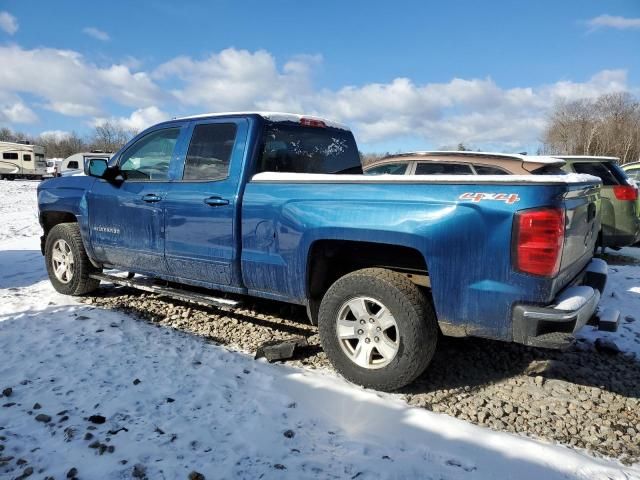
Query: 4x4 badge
(501, 197)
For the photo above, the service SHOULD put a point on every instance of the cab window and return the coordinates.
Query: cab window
(210, 151)
(389, 169)
(433, 168)
(149, 157)
(292, 148)
(26, 157)
(487, 170)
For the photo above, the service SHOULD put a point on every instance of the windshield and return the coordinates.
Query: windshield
(289, 147)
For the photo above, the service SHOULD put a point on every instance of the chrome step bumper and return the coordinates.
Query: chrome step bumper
(553, 326)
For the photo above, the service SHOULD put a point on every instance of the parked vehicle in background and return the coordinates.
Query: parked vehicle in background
(620, 203)
(22, 160)
(633, 171)
(53, 166)
(464, 163)
(275, 205)
(76, 163)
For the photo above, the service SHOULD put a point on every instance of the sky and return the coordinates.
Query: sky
(404, 75)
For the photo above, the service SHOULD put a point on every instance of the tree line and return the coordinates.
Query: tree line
(106, 137)
(605, 126)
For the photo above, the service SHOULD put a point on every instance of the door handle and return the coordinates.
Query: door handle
(216, 201)
(151, 198)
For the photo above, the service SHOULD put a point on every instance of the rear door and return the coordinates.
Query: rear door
(202, 232)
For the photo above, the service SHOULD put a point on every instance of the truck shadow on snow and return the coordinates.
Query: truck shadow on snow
(473, 363)
(458, 365)
(21, 268)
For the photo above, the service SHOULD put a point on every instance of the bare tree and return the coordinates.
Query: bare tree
(606, 126)
(8, 135)
(109, 137)
(62, 146)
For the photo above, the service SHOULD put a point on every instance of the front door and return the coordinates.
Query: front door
(201, 227)
(127, 220)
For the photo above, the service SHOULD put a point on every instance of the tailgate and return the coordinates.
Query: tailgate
(582, 225)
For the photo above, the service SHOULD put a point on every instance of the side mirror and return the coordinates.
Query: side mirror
(96, 167)
(99, 167)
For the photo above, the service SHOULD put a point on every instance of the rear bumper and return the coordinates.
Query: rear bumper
(553, 326)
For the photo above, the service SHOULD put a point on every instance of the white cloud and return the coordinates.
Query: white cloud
(55, 134)
(69, 85)
(613, 21)
(138, 120)
(17, 112)
(477, 111)
(469, 110)
(238, 79)
(8, 23)
(96, 33)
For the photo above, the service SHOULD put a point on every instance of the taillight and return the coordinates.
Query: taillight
(625, 192)
(312, 122)
(538, 240)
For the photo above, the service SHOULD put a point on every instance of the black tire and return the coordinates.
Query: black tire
(79, 282)
(417, 328)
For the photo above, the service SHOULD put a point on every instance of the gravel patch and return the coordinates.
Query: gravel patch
(581, 397)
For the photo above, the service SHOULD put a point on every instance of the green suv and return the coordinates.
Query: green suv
(620, 204)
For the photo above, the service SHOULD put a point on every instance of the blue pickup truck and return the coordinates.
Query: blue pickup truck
(276, 206)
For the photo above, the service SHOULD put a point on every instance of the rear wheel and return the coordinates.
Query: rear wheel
(68, 265)
(377, 328)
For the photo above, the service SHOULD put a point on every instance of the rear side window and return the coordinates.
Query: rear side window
(388, 169)
(443, 169)
(549, 170)
(73, 164)
(487, 170)
(299, 149)
(633, 173)
(26, 157)
(210, 151)
(603, 170)
(10, 156)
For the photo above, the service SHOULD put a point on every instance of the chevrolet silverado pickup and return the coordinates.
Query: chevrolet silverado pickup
(276, 206)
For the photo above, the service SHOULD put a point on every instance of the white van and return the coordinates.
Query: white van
(53, 166)
(22, 160)
(74, 165)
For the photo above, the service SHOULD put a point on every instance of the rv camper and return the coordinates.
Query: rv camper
(21, 160)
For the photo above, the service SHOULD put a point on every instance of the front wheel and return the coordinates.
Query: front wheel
(377, 328)
(68, 265)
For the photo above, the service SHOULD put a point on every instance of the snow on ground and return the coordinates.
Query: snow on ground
(18, 209)
(622, 293)
(174, 403)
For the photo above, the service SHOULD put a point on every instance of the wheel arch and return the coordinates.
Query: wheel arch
(51, 218)
(330, 259)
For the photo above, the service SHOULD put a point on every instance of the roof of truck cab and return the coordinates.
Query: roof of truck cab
(505, 156)
(271, 116)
